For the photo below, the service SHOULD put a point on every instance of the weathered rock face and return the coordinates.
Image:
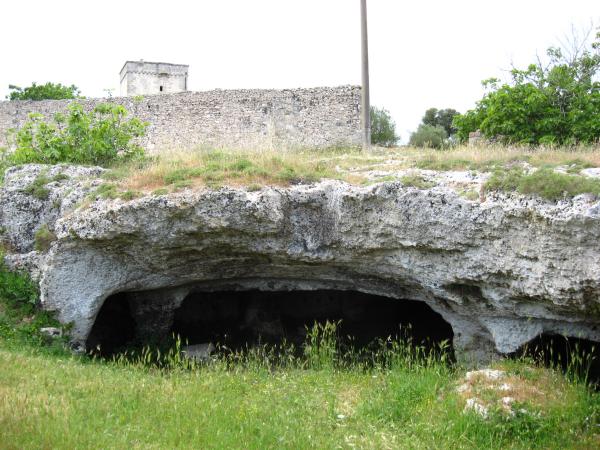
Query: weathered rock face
(501, 271)
(24, 210)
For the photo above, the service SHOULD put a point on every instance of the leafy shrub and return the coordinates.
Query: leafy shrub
(16, 288)
(100, 137)
(383, 128)
(46, 91)
(21, 320)
(428, 136)
(558, 104)
(441, 118)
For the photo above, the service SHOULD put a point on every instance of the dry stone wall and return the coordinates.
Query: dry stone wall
(316, 117)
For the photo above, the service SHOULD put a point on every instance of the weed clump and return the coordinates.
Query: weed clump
(106, 191)
(544, 182)
(21, 320)
(43, 238)
(417, 181)
(38, 187)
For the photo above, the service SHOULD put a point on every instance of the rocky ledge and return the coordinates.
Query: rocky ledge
(500, 270)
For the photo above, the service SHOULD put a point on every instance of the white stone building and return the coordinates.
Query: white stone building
(146, 78)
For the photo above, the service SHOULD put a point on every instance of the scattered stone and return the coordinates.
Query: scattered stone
(463, 388)
(476, 138)
(51, 331)
(593, 172)
(199, 352)
(475, 405)
(488, 374)
(507, 401)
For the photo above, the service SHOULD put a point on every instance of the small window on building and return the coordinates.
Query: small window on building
(161, 89)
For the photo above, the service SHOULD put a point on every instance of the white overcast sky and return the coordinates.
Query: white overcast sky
(423, 53)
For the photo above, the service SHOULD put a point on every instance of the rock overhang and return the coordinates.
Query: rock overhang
(500, 271)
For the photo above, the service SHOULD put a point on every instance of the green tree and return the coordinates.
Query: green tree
(557, 103)
(441, 118)
(383, 128)
(48, 91)
(100, 136)
(428, 136)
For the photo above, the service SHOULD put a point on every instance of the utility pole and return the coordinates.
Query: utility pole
(366, 96)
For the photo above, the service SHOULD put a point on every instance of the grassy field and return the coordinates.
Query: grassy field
(403, 397)
(52, 401)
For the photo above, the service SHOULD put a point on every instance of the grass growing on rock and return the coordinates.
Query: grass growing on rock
(38, 187)
(213, 168)
(417, 181)
(44, 238)
(487, 158)
(544, 182)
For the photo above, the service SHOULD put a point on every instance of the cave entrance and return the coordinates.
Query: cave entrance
(237, 319)
(580, 357)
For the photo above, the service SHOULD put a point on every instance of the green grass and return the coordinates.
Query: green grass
(402, 397)
(264, 399)
(214, 168)
(59, 401)
(20, 317)
(43, 238)
(417, 181)
(38, 187)
(544, 182)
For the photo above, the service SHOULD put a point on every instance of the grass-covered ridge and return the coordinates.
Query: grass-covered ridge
(559, 174)
(544, 182)
(254, 169)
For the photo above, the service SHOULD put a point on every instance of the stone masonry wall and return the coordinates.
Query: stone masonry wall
(316, 117)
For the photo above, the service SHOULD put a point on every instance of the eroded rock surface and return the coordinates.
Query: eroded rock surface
(501, 271)
(37, 195)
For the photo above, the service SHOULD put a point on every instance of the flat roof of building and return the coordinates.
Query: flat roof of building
(152, 62)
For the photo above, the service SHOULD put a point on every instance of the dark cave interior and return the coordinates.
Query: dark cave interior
(565, 353)
(240, 318)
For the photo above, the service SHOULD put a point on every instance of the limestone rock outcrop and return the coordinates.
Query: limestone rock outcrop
(501, 271)
(37, 195)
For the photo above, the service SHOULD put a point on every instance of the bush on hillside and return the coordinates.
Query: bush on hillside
(558, 103)
(48, 91)
(441, 118)
(98, 137)
(383, 128)
(428, 136)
